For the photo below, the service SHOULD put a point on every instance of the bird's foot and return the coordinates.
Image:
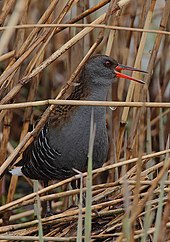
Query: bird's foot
(47, 210)
(48, 213)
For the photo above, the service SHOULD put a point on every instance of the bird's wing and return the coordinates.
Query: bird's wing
(38, 159)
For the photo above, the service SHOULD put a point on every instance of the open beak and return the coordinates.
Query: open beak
(120, 67)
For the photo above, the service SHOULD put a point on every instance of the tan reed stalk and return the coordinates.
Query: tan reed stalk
(128, 189)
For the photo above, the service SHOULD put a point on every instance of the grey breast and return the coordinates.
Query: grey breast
(72, 139)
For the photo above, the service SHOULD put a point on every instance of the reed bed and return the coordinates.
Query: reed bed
(43, 46)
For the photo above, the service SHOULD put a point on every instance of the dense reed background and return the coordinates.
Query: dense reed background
(130, 193)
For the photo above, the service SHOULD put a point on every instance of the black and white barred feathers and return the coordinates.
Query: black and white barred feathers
(39, 160)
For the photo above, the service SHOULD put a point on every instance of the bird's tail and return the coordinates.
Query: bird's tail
(16, 171)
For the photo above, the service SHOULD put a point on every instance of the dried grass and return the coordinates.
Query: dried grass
(43, 46)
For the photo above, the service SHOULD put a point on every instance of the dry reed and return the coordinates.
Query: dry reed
(131, 192)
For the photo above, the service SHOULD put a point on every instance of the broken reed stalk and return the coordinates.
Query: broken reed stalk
(100, 26)
(99, 170)
(85, 103)
(44, 64)
(73, 215)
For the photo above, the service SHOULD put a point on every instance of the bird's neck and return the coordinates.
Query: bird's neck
(85, 90)
(97, 94)
(82, 91)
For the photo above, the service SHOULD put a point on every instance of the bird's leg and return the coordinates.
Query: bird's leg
(47, 208)
(76, 185)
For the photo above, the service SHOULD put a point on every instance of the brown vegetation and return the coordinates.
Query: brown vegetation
(43, 46)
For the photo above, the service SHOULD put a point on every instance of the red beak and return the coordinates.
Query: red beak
(120, 67)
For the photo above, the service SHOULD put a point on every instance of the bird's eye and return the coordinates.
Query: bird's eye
(108, 63)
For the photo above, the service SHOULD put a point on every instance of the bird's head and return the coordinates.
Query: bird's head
(102, 69)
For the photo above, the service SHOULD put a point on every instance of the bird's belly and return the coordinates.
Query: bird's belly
(73, 145)
(72, 140)
(58, 150)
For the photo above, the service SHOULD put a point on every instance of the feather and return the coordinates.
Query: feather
(16, 171)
